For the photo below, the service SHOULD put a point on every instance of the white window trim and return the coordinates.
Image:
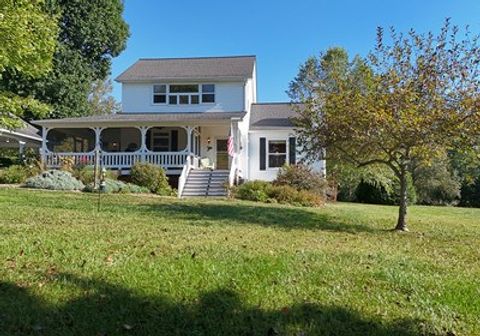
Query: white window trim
(189, 94)
(153, 94)
(277, 154)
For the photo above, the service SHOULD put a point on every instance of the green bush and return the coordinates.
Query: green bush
(115, 186)
(436, 185)
(54, 180)
(381, 193)
(288, 195)
(261, 191)
(470, 194)
(86, 174)
(301, 177)
(151, 177)
(17, 174)
(257, 191)
(372, 193)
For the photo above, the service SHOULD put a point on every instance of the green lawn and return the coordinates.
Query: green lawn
(149, 265)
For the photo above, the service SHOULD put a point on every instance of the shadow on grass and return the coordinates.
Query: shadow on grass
(106, 309)
(245, 213)
(197, 212)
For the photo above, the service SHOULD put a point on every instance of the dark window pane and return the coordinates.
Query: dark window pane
(183, 88)
(194, 99)
(159, 89)
(208, 98)
(208, 88)
(277, 147)
(159, 99)
(183, 99)
(276, 161)
(221, 145)
(172, 100)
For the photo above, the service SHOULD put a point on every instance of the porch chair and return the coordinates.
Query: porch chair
(206, 163)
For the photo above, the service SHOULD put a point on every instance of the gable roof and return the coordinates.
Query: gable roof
(148, 69)
(272, 115)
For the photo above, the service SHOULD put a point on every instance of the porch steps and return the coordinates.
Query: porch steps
(203, 182)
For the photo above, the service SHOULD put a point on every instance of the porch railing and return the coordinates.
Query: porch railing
(121, 160)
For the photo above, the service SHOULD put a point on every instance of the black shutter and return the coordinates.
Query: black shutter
(292, 150)
(174, 140)
(263, 154)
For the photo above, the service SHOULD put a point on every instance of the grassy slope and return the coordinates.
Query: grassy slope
(149, 265)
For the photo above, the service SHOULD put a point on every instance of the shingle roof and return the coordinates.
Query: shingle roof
(143, 118)
(28, 131)
(190, 68)
(272, 115)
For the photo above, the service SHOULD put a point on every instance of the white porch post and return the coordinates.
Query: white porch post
(189, 139)
(143, 145)
(21, 149)
(98, 131)
(43, 149)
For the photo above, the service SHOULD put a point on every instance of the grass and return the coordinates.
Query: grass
(149, 265)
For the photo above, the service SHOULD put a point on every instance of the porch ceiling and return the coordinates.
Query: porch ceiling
(145, 119)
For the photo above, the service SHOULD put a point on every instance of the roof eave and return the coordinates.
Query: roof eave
(184, 79)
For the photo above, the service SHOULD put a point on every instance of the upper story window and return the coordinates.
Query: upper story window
(159, 94)
(183, 94)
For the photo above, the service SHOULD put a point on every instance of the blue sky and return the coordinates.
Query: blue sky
(282, 34)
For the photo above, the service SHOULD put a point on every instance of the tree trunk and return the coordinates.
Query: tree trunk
(402, 213)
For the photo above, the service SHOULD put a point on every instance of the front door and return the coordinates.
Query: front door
(222, 154)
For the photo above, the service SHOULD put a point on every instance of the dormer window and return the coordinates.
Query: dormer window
(183, 94)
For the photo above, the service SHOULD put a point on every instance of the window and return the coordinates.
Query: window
(159, 94)
(184, 94)
(172, 100)
(183, 88)
(184, 99)
(208, 93)
(160, 141)
(277, 153)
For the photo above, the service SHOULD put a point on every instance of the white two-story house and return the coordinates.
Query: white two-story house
(198, 118)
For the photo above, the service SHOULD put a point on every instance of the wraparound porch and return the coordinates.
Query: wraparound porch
(119, 141)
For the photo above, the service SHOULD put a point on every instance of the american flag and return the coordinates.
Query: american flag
(230, 149)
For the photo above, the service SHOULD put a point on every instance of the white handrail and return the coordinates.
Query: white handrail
(183, 176)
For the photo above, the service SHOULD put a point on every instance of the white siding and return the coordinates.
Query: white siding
(269, 174)
(138, 98)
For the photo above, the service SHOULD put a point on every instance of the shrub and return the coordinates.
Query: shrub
(115, 186)
(301, 177)
(257, 191)
(470, 194)
(67, 163)
(288, 195)
(151, 177)
(261, 191)
(17, 174)
(86, 174)
(373, 193)
(54, 180)
(436, 185)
